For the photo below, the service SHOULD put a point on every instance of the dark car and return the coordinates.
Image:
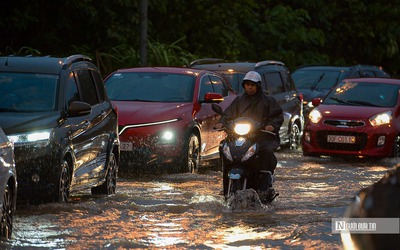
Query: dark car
(8, 186)
(63, 126)
(165, 116)
(359, 118)
(276, 82)
(315, 81)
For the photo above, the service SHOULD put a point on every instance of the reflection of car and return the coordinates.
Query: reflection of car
(360, 117)
(63, 126)
(165, 115)
(276, 82)
(8, 188)
(315, 81)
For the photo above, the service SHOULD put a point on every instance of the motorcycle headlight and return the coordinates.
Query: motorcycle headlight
(242, 128)
(381, 119)
(250, 152)
(36, 138)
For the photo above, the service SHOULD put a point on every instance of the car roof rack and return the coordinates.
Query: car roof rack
(269, 62)
(75, 58)
(205, 61)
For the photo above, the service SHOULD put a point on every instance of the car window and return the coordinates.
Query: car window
(87, 87)
(71, 90)
(211, 84)
(368, 73)
(274, 83)
(218, 85)
(381, 74)
(236, 81)
(320, 79)
(99, 85)
(363, 94)
(26, 92)
(150, 87)
(205, 87)
(287, 82)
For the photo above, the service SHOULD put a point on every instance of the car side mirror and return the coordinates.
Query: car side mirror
(316, 102)
(77, 108)
(213, 98)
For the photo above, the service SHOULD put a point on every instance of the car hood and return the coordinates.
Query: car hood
(309, 94)
(12, 122)
(146, 112)
(350, 112)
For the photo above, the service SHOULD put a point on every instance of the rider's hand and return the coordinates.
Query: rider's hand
(269, 128)
(218, 126)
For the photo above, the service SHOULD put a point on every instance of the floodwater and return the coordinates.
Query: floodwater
(185, 211)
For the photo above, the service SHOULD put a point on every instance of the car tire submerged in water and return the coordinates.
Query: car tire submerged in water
(6, 223)
(110, 184)
(191, 161)
(294, 139)
(64, 184)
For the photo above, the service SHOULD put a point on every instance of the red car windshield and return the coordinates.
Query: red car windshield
(363, 94)
(150, 87)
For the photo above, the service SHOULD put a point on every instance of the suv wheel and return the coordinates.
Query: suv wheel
(109, 185)
(62, 194)
(6, 223)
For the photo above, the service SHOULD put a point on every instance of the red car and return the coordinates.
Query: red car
(359, 117)
(165, 116)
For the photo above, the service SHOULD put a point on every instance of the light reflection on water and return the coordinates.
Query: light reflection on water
(186, 211)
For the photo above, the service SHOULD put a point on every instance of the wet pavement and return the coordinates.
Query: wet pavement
(185, 211)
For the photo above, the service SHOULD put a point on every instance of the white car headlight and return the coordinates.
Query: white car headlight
(34, 138)
(167, 135)
(315, 116)
(381, 119)
(242, 128)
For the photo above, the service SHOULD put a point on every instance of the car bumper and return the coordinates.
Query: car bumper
(37, 170)
(368, 142)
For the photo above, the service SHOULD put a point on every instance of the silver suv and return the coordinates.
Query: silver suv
(276, 82)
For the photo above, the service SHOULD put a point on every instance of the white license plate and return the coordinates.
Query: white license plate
(341, 139)
(126, 146)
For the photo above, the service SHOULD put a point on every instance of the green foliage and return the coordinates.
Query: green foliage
(338, 32)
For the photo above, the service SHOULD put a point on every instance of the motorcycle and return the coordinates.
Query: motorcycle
(239, 159)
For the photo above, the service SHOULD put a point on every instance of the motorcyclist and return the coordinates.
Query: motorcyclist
(254, 104)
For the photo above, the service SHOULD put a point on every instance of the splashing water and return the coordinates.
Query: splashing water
(246, 200)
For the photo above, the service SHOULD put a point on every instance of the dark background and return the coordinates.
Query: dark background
(297, 32)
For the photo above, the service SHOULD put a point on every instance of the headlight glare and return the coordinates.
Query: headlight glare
(381, 119)
(167, 135)
(37, 138)
(315, 116)
(242, 128)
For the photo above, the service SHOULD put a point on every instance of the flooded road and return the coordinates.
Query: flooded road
(181, 211)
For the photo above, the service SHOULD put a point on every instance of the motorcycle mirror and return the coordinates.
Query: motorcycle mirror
(217, 109)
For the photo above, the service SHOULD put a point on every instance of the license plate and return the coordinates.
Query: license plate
(341, 139)
(126, 146)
